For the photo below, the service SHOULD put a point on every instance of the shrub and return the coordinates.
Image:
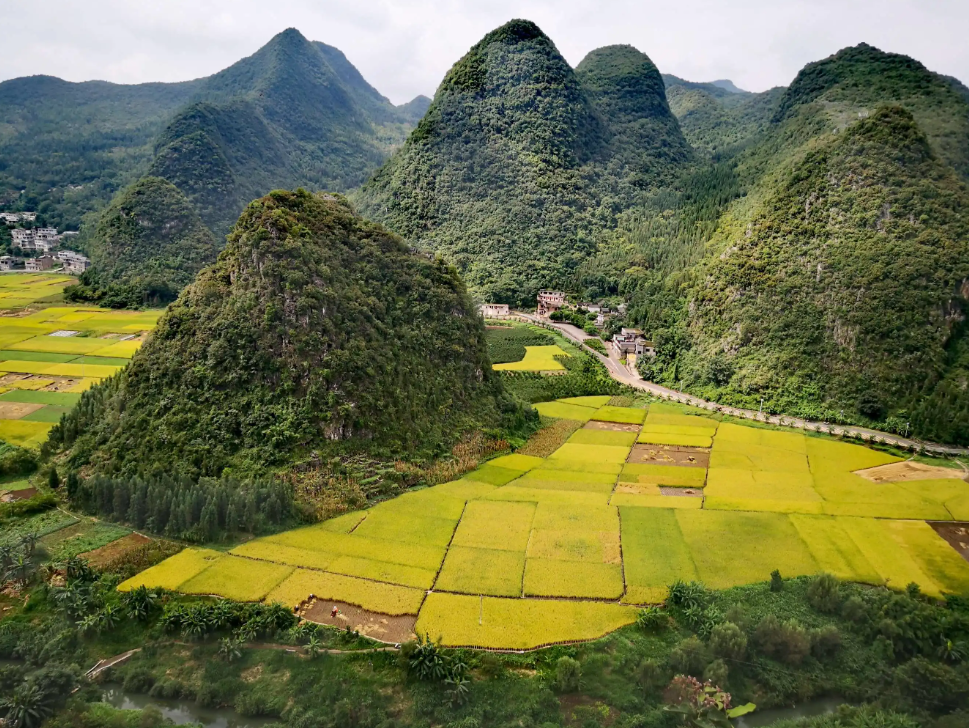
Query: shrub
(787, 642)
(776, 581)
(923, 682)
(650, 675)
(825, 642)
(684, 595)
(716, 672)
(689, 657)
(653, 619)
(139, 680)
(568, 674)
(824, 594)
(729, 642)
(854, 610)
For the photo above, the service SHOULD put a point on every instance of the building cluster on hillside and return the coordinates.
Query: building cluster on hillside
(44, 240)
(12, 218)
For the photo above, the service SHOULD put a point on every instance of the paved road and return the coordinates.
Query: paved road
(618, 372)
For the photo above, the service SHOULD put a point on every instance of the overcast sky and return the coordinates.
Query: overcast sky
(404, 47)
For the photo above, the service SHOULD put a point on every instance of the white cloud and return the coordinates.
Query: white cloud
(404, 47)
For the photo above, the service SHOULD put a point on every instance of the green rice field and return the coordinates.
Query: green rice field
(50, 355)
(527, 551)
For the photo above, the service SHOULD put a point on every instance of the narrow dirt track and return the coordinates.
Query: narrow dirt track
(618, 372)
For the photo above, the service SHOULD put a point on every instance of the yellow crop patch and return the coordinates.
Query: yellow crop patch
(23, 432)
(654, 553)
(537, 359)
(406, 528)
(623, 415)
(663, 438)
(482, 571)
(495, 525)
(598, 547)
(280, 554)
(561, 411)
(549, 578)
(596, 400)
(523, 463)
(647, 500)
(592, 453)
(60, 345)
(603, 437)
(236, 578)
(385, 571)
(575, 516)
(120, 349)
(522, 624)
(890, 559)
(175, 570)
(81, 370)
(741, 548)
(834, 549)
(371, 595)
(548, 495)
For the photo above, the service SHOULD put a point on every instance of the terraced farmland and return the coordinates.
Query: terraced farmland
(49, 356)
(527, 551)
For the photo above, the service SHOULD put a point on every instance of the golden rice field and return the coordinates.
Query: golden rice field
(48, 356)
(537, 359)
(527, 551)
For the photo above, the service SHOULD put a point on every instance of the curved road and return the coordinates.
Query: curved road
(618, 372)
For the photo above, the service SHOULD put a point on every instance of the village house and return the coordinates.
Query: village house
(549, 301)
(631, 341)
(8, 262)
(73, 262)
(494, 310)
(591, 307)
(44, 262)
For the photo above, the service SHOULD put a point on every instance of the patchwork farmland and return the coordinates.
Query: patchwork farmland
(527, 550)
(50, 355)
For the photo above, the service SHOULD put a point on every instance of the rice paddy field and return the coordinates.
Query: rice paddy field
(527, 551)
(49, 355)
(537, 359)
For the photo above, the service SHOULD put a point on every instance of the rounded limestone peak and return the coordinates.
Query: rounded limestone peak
(316, 331)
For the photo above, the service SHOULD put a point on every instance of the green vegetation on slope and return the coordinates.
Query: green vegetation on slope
(149, 244)
(294, 113)
(315, 332)
(819, 265)
(517, 166)
(72, 146)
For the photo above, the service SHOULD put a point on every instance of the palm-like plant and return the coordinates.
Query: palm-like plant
(222, 614)
(314, 646)
(28, 542)
(230, 649)
(27, 708)
(140, 602)
(108, 618)
(19, 568)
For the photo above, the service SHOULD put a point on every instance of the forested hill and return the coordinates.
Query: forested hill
(316, 333)
(294, 113)
(834, 284)
(72, 146)
(149, 244)
(517, 169)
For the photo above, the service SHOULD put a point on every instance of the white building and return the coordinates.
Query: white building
(73, 262)
(7, 262)
(494, 310)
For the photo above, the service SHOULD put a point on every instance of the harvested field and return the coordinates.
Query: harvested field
(16, 410)
(114, 550)
(692, 457)
(611, 426)
(383, 627)
(909, 470)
